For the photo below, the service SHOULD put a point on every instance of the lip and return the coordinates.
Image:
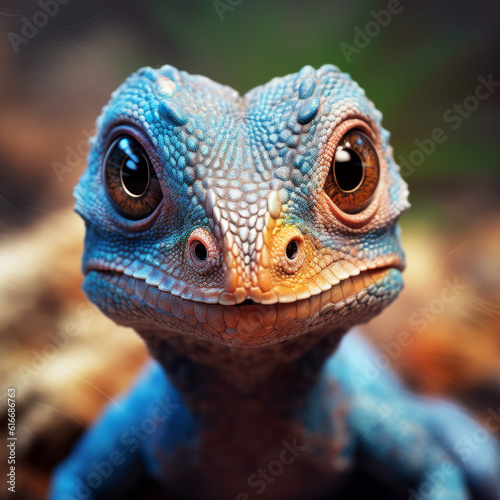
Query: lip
(338, 275)
(247, 320)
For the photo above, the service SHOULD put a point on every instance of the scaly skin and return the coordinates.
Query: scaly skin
(243, 337)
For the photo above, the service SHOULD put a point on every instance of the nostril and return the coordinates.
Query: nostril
(293, 254)
(200, 251)
(292, 249)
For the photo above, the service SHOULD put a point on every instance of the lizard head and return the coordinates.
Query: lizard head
(241, 220)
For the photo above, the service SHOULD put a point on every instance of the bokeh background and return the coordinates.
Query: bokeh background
(66, 360)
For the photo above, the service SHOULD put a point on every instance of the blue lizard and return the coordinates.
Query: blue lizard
(242, 237)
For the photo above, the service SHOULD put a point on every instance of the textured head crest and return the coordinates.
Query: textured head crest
(245, 175)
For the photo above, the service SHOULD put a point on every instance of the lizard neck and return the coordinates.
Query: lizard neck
(253, 406)
(280, 376)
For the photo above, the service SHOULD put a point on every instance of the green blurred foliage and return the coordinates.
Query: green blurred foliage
(424, 61)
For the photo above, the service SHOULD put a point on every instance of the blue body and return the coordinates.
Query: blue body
(384, 421)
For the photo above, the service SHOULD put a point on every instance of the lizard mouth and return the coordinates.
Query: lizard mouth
(248, 323)
(339, 280)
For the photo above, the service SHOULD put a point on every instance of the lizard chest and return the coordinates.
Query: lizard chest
(242, 467)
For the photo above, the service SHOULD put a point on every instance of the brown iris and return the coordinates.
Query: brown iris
(354, 173)
(130, 179)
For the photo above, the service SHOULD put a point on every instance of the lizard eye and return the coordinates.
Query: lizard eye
(354, 173)
(130, 179)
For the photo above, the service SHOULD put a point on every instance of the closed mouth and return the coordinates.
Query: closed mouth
(340, 280)
(249, 318)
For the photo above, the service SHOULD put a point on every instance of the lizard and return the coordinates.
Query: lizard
(242, 237)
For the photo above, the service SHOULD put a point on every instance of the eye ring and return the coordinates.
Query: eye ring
(354, 172)
(130, 179)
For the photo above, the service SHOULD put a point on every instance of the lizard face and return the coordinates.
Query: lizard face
(241, 220)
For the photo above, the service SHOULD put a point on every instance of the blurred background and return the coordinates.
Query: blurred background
(430, 67)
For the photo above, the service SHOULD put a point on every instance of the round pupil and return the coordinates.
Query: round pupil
(200, 251)
(348, 169)
(291, 250)
(134, 168)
